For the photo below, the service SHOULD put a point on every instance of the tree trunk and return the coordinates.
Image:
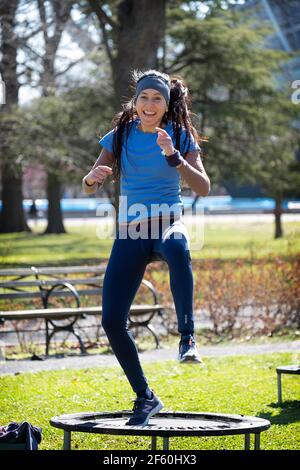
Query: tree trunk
(277, 213)
(140, 32)
(137, 34)
(54, 190)
(60, 15)
(12, 217)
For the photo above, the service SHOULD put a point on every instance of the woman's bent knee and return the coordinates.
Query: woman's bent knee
(112, 325)
(107, 324)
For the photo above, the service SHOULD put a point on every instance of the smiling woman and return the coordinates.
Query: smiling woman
(151, 107)
(152, 145)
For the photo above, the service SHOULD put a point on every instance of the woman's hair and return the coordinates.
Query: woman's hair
(178, 113)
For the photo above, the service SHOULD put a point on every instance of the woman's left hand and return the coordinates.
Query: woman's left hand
(165, 142)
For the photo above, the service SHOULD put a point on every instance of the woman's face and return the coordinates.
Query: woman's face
(150, 107)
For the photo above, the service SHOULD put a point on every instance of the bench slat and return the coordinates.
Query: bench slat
(58, 293)
(54, 270)
(48, 282)
(61, 312)
(20, 295)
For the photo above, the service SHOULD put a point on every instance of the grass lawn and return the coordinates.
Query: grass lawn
(236, 385)
(85, 244)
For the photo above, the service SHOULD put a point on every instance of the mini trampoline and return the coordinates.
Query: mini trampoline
(165, 425)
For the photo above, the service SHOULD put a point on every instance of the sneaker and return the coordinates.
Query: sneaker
(143, 410)
(188, 350)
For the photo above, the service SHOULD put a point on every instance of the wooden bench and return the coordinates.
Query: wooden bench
(59, 293)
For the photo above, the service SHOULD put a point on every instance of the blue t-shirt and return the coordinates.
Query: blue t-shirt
(149, 187)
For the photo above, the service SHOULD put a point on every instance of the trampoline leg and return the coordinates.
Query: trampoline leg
(153, 443)
(247, 441)
(67, 440)
(257, 441)
(165, 443)
(279, 389)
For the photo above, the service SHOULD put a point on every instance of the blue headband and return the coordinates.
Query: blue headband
(156, 83)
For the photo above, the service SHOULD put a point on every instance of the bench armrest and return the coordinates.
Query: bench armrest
(68, 286)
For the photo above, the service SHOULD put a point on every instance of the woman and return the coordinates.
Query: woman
(152, 144)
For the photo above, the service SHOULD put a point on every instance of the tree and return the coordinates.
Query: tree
(59, 131)
(60, 14)
(36, 70)
(238, 105)
(277, 170)
(12, 218)
(132, 32)
(16, 34)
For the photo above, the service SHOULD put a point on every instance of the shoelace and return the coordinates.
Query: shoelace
(189, 342)
(185, 345)
(137, 404)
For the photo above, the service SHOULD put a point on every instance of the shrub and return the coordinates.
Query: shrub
(239, 297)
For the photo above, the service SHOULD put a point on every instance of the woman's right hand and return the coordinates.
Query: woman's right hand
(98, 174)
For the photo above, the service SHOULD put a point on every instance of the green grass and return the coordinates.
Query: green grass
(75, 247)
(249, 240)
(242, 385)
(82, 245)
(235, 385)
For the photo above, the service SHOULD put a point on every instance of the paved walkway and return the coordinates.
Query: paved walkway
(162, 354)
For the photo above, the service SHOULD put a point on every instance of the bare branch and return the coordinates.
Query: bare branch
(33, 51)
(71, 64)
(81, 36)
(62, 12)
(42, 13)
(101, 15)
(23, 39)
(106, 42)
(103, 20)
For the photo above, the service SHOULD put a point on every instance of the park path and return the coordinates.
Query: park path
(156, 355)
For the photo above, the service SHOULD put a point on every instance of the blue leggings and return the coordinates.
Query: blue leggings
(125, 270)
